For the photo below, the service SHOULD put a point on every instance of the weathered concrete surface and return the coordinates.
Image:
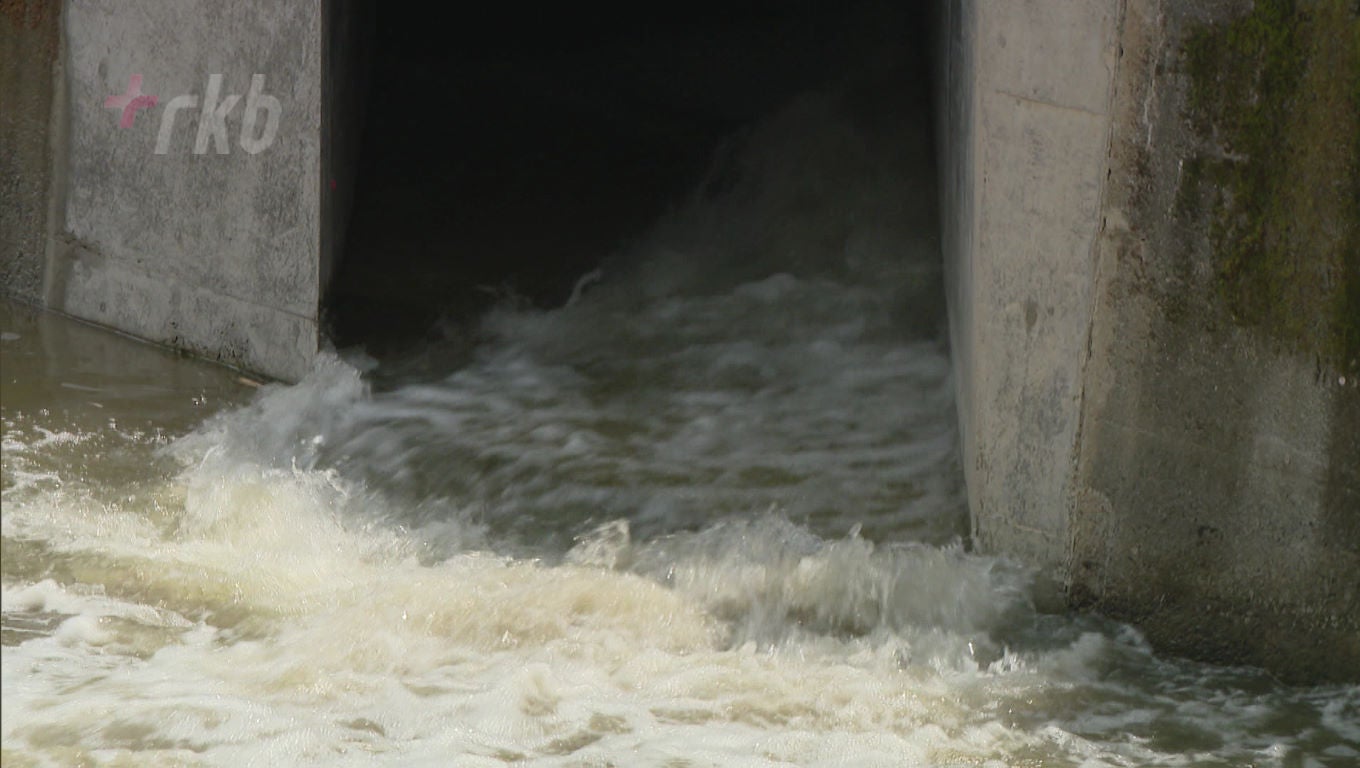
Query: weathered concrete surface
(1025, 127)
(1165, 421)
(29, 42)
(210, 241)
(1218, 485)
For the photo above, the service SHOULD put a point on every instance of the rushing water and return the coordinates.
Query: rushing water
(708, 513)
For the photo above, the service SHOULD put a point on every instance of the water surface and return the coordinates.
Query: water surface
(709, 512)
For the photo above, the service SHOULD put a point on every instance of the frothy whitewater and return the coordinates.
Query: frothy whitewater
(707, 513)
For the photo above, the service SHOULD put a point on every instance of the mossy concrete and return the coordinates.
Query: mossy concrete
(1275, 94)
(1216, 496)
(29, 42)
(1150, 241)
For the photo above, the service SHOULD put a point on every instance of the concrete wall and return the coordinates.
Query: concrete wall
(203, 237)
(1172, 437)
(30, 34)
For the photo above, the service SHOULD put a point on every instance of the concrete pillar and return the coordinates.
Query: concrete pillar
(1159, 411)
(186, 176)
(1026, 127)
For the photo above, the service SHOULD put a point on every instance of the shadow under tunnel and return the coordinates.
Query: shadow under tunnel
(510, 152)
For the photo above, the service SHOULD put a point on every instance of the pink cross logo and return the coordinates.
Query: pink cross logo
(130, 102)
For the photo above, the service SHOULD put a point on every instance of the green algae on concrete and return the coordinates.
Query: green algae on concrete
(1275, 98)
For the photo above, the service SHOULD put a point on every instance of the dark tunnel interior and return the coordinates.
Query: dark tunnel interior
(514, 147)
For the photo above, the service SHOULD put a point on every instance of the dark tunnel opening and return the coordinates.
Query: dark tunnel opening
(511, 151)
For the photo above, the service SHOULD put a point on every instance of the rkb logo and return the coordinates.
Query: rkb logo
(212, 121)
